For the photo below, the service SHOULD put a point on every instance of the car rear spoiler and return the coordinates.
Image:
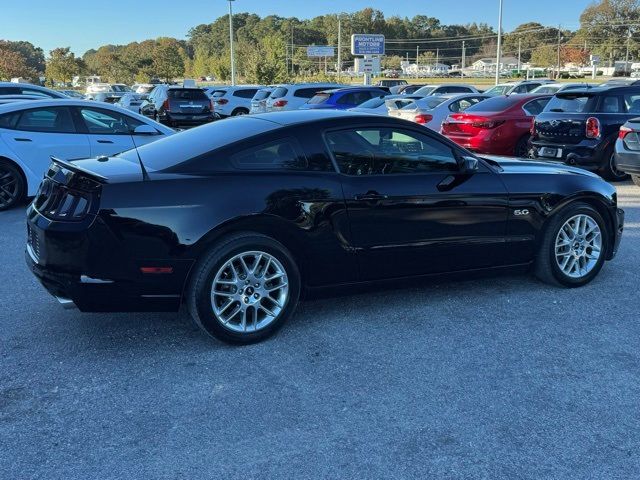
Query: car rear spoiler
(74, 168)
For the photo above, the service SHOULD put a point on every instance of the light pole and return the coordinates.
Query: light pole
(499, 53)
(233, 60)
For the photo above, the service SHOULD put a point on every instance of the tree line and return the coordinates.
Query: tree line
(272, 49)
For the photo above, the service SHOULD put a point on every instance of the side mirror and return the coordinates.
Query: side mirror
(145, 130)
(470, 164)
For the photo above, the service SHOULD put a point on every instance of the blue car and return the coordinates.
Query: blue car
(343, 98)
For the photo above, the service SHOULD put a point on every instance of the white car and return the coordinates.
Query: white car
(259, 100)
(232, 101)
(384, 105)
(131, 101)
(293, 96)
(445, 89)
(143, 88)
(11, 88)
(561, 87)
(431, 111)
(31, 132)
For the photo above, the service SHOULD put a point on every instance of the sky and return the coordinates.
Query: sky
(85, 24)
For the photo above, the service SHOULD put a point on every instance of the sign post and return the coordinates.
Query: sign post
(367, 46)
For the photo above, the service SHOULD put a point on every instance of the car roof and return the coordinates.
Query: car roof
(602, 89)
(293, 117)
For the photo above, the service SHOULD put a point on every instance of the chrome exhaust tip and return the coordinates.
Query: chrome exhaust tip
(66, 303)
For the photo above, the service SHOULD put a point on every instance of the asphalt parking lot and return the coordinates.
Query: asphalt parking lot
(489, 378)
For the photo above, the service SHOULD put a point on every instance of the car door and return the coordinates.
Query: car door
(108, 132)
(412, 209)
(35, 134)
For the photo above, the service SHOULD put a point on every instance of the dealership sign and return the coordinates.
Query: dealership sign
(366, 44)
(314, 51)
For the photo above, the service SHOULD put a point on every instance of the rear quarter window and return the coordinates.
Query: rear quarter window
(282, 154)
(245, 93)
(280, 92)
(9, 120)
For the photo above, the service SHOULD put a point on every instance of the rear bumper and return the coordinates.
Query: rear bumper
(89, 269)
(626, 160)
(183, 119)
(588, 154)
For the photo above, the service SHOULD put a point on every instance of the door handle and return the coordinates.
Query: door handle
(105, 141)
(18, 139)
(370, 197)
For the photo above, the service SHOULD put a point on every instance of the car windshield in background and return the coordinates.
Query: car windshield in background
(494, 104)
(262, 94)
(577, 103)
(278, 92)
(319, 98)
(425, 90)
(372, 103)
(187, 94)
(499, 90)
(425, 103)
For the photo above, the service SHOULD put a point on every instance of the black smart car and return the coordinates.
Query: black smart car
(580, 127)
(237, 218)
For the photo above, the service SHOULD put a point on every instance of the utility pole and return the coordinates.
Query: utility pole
(464, 55)
(626, 58)
(519, 48)
(233, 60)
(499, 53)
(558, 63)
(437, 56)
(339, 46)
(292, 50)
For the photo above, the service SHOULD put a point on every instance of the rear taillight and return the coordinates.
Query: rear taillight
(57, 202)
(279, 103)
(165, 106)
(592, 128)
(423, 118)
(623, 132)
(222, 101)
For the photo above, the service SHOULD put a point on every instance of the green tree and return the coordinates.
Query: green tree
(13, 64)
(530, 35)
(61, 65)
(168, 58)
(31, 57)
(267, 64)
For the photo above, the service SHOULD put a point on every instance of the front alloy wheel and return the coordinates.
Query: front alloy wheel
(578, 246)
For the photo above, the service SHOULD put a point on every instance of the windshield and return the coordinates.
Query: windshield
(372, 103)
(425, 90)
(261, 94)
(494, 104)
(426, 103)
(571, 103)
(218, 93)
(547, 89)
(319, 98)
(186, 94)
(499, 90)
(278, 92)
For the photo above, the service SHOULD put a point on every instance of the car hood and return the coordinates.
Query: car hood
(519, 165)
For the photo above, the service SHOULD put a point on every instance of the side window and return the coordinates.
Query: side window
(389, 151)
(33, 91)
(632, 103)
(610, 104)
(245, 93)
(535, 107)
(307, 92)
(47, 120)
(277, 155)
(10, 91)
(9, 120)
(106, 122)
(354, 98)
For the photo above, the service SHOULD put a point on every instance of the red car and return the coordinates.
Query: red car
(499, 125)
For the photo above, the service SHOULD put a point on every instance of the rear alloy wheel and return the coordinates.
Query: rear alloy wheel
(573, 247)
(610, 172)
(636, 179)
(244, 289)
(12, 186)
(239, 111)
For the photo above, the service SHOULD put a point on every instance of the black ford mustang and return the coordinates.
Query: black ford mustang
(235, 219)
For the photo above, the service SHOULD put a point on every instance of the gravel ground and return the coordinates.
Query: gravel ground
(491, 378)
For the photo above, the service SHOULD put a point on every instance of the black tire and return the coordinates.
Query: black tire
(546, 266)
(609, 171)
(636, 179)
(13, 188)
(522, 147)
(239, 111)
(198, 295)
